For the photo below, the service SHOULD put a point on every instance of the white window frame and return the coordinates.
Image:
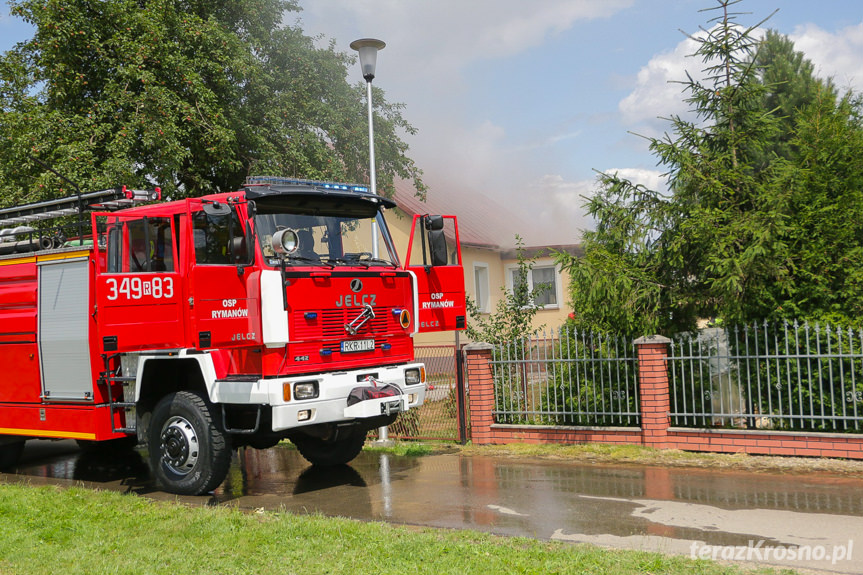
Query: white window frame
(486, 307)
(556, 287)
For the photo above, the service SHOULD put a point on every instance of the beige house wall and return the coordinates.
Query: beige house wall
(550, 317)
(473, 257)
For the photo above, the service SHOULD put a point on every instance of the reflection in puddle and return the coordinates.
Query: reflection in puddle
(320, 478)
(115, 466)
(386, 487)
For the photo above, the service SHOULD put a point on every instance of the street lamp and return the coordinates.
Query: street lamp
(368, 50)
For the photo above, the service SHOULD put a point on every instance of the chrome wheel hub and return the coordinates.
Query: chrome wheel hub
(179, 445)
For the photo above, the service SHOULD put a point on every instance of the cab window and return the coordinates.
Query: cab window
(140, 245)
(219, 239)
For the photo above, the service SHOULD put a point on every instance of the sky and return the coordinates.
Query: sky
(520, 103)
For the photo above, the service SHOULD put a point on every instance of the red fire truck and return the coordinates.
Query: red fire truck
(280, 311)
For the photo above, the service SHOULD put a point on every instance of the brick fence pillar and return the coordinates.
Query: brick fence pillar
(653, 390)
(480, 383)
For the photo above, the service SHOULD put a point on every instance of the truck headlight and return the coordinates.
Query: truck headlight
(306, 390)
(414, 375)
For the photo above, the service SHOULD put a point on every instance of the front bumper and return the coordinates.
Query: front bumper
(331, 405)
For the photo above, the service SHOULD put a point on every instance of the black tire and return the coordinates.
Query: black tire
(10, 453)
(326, 453)
(189, 453)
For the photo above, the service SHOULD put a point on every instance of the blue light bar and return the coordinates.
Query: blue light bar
(280, 181)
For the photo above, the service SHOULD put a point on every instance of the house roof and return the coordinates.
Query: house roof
(481, 220)
(533, 252)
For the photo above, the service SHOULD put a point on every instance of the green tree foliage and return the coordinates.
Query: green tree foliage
(762, 219)
(791, 85)
(191, 95)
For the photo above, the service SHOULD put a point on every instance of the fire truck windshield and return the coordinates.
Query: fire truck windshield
(328, 239)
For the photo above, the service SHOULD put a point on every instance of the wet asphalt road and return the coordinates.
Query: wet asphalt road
(808, 522)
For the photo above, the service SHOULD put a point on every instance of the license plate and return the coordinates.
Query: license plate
(358, 345)
(390, 407)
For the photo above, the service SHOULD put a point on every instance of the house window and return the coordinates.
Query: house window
(542, 281)
(480, 285)
(544, 277)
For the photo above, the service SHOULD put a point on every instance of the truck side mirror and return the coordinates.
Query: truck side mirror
(216, 209)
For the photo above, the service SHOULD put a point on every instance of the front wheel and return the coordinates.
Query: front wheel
(189, 454)
(330, 452)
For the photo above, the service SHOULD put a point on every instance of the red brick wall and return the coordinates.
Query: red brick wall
(654, 402)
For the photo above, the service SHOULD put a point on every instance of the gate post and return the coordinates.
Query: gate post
(480, 391)
(653, 389)
(460, 393)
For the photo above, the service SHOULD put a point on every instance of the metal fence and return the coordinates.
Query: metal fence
(784, 377)
(437, 418)
(566, 377)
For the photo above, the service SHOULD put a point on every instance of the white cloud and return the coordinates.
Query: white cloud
(434, 48)
(444, 34)
(838, 55)
(650, 179)
(658, 92)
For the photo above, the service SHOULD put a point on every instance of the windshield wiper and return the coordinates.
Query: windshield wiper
(365, 262)
(369, 261)
(313, 261)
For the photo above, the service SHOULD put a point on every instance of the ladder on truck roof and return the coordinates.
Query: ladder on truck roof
(15, 221)
(108, 200)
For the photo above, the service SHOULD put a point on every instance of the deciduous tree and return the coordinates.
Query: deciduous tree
(191, 95)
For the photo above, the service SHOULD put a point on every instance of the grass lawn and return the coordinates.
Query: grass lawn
(47, 530)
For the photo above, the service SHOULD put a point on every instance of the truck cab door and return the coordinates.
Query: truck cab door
(434, 257)
(139, 289)
(223, 312)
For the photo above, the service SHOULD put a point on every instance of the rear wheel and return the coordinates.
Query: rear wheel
(189, 453)
(10, 453)
(330, 452)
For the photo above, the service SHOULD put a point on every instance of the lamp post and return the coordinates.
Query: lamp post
(368, 51)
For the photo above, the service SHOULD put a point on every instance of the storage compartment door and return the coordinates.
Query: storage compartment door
(64, 335)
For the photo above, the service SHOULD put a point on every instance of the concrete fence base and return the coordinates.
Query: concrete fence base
(655, 430)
